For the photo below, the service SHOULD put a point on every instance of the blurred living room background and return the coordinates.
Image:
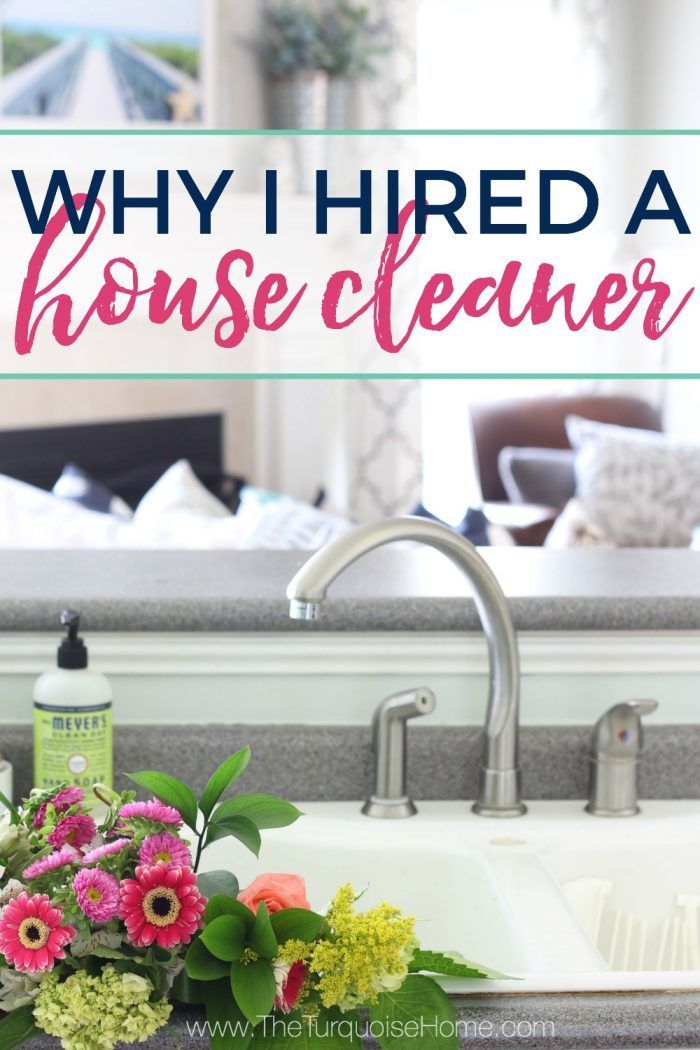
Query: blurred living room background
(501, 460)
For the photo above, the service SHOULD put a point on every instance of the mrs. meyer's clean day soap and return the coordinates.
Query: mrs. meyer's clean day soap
(72, 718)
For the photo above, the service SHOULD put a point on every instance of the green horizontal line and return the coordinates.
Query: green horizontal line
(368, 132)
(348, 375)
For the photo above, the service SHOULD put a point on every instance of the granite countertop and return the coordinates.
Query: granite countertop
(390, 590)
(549, 1022)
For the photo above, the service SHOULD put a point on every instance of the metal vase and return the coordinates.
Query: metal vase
(300, 100)
(339, 102)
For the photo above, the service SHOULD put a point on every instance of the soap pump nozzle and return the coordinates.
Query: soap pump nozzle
(72, 652)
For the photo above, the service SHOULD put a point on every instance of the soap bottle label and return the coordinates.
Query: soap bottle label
(72, 745)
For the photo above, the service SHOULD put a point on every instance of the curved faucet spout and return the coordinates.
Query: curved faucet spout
(499, 793)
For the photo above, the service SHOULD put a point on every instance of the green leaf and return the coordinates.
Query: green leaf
(227, 1026)
(262, 938)
(201, 964)
(108, 953)
(296, 924)
(159, 979)
(227, 772)
(222, 905)
(171, 791)
(211, 883)
(238, 828)
(452, 964)
(253, 986)
(12, 809)
(17, 1027)
(266, 811)
(188, 991)
(225, 937)
(419, 1001)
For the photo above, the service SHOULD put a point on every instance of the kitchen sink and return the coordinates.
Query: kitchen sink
(557, 899)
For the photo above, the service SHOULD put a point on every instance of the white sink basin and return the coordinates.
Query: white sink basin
(531, 896)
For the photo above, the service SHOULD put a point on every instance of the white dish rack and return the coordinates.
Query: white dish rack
(628, 942)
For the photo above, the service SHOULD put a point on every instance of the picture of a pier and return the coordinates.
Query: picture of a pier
(101, 64)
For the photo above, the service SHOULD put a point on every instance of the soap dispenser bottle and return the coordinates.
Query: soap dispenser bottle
(72, 718)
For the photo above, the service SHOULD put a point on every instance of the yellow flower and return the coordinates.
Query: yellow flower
(367, 953)
(295, 951)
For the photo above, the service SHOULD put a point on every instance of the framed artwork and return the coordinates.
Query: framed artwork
(102, 64)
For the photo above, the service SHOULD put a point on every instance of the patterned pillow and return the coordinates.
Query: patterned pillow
(641, 488)
(272, 521)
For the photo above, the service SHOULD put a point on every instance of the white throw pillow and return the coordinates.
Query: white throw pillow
(31, 518)
(179, 489)
(641, 488)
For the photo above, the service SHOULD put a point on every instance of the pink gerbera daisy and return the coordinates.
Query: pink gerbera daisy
(168, 848)
(107, 849)
(76, 831)
(31, 934)
(97, 893)
(161, 904)
(61, 801)
(54, 861)
(151, 810)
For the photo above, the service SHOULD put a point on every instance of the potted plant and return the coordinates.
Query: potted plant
(350, 43)
(291, 51)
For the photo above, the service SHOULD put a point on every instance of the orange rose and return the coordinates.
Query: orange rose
(277, 891)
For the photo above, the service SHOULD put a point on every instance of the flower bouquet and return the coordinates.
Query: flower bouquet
(104, 926)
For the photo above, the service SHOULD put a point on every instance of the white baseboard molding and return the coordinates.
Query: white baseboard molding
(285, 654)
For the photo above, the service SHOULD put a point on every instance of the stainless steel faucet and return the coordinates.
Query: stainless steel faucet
(615, 749)
(499, 792)
(389, 799)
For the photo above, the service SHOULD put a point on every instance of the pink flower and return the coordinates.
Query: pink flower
(161, 904)
(277, 891)
(54, 861)
(77, 830)
(31, 934)
(168, 848)
(107, 849)
(289, 981)
(61, 801)
(97, 893)
(151, 810)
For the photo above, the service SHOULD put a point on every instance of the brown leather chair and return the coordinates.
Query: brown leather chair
(539, 422)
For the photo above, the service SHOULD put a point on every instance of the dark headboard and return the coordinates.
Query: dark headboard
(126, 456)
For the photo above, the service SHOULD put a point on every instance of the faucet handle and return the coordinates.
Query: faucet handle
(616, 745)
(617, 734)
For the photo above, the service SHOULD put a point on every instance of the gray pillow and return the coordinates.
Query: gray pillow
(640, 487)
(537, 475)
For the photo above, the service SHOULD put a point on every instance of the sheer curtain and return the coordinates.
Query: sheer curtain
(509, 64)
(462, 63)
(499, 64)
